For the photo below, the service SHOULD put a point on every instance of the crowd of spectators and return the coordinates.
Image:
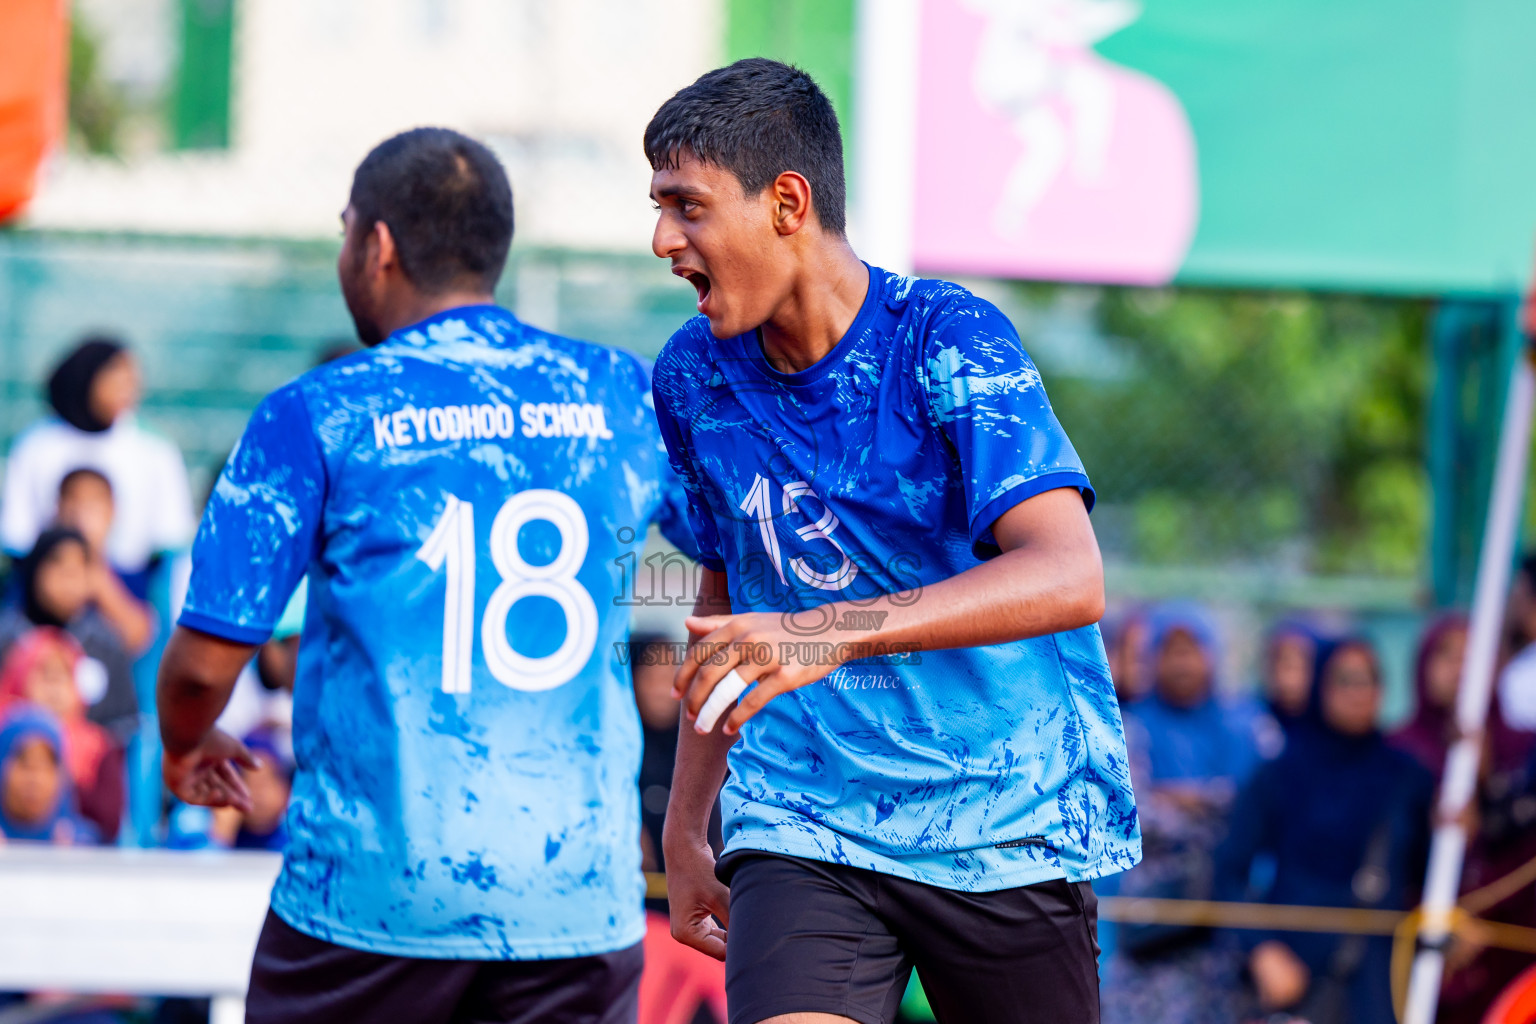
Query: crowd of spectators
(1290, 792)
(93, 507)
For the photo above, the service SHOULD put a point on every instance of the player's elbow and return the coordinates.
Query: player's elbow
(1085, 601)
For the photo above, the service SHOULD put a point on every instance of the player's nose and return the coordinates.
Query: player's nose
(667, 241)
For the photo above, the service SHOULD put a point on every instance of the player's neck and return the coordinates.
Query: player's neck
(819, 310)
(416, 306)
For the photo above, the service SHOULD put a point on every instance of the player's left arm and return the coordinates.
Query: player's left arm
(1048, 579)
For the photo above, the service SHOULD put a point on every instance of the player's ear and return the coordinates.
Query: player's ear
(791, 202)
(381, 244)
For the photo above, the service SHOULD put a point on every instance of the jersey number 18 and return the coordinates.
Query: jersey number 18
(452, 544)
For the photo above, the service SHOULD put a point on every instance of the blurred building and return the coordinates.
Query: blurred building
(271, 103)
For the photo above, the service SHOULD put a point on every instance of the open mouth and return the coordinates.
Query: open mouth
(700, 284)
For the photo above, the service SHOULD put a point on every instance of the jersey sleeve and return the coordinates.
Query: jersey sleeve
(672, 511)
(260, 528)
(987, 399)
(687, 493)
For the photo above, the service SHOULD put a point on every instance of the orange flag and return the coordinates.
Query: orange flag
(34, 35)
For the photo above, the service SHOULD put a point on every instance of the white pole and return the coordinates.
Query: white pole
(1443, 879)
(885, 130)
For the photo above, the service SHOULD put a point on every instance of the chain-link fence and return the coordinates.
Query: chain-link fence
(1263, 451)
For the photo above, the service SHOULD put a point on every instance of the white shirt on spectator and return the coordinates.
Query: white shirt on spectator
(149, 487)
(1517, 691)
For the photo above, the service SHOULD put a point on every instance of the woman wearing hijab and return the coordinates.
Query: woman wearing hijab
(1339, 819)
(53, 588)
(1290, 662)
(1494, 848)
(1428, 735)
(93, 392)
(36, 802)
(1190, 749)
(40, 670)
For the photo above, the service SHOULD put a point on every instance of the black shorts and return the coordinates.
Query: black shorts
(297, 979)
(812, 937)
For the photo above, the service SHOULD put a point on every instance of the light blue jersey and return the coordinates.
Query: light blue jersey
(879, 469)
(462, 498)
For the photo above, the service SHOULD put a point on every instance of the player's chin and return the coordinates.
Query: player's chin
(722, 325)
(726, 319)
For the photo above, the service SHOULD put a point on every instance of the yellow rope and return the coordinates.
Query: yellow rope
(1268, 916)
(1500, 889)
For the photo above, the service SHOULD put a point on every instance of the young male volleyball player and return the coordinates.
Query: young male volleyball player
(464, 823)
(930, 766)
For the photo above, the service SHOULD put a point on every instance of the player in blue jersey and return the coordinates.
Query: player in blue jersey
(464, 823)
(930, 767)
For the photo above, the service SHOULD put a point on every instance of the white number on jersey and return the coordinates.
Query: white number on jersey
(759, 505)
(452, 543)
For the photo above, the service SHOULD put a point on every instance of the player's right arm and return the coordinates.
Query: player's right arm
(696, 897)
(258, 535)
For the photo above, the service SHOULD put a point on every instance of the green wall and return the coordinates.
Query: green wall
(816, 35)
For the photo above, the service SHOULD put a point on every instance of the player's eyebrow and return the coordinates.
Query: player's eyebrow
(678, 191)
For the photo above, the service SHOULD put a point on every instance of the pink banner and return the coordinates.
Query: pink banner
(1039, 159)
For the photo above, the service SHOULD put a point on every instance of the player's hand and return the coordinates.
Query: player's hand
(696, 899)
(209, 773)
(1278, 974)
(722, 639)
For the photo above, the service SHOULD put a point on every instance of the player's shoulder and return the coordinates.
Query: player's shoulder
(690, 349)
(937, 308)
(689, 342)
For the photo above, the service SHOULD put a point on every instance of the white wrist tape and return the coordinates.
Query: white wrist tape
(725, 693)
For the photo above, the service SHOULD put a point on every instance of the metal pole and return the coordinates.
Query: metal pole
(1459, 785)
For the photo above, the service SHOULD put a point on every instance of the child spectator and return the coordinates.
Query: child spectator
(270, 784)
(39, 669)
(86, 505)
(93, 392)
(54, 588)
(36, 804)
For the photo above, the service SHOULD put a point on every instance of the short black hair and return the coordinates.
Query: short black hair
(74, 476)
(447, 202)
(757, 119)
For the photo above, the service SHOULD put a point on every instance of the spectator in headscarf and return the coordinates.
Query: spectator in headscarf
(93, 392)
(53, 588)
(1125, 636)
(1290, 662)
(1343, 820)
(1190, 749)
(36, 801)
(1428, 735)
(1494, 848)
(40, 670)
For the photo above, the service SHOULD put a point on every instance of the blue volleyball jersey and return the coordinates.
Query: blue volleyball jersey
(463, 499)
(880, 469)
